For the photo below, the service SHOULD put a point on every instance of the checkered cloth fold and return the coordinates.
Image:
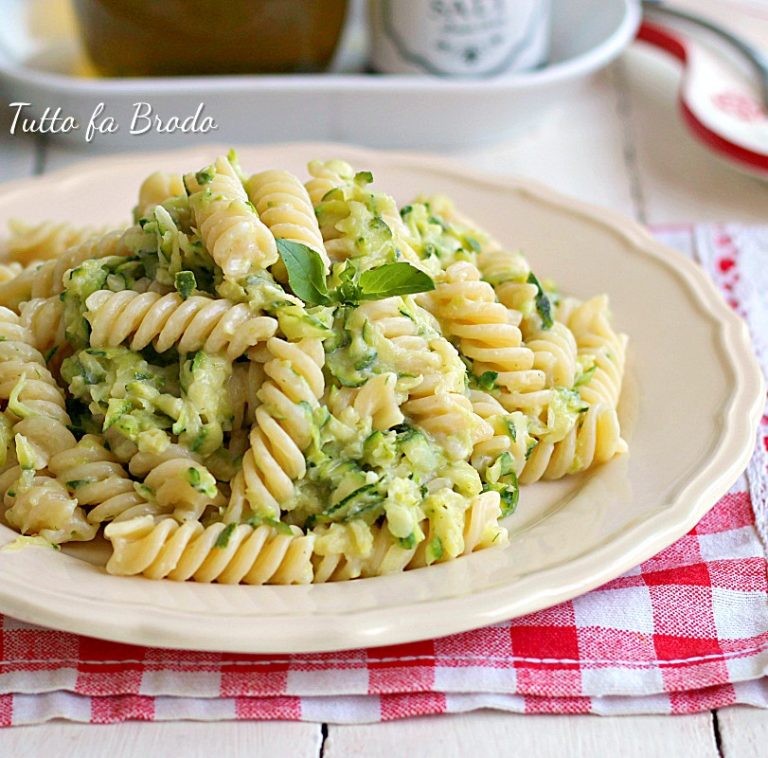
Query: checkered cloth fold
(685, 631)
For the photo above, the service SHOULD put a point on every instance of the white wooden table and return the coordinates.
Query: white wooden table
(618, 143)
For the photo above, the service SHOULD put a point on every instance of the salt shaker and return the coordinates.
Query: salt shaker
(459, 38)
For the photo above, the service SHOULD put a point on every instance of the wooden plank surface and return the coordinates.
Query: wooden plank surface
(487, 733)
(743, 732)
(239, 739)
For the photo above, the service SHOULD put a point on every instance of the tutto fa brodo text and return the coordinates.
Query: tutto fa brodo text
(143, 119)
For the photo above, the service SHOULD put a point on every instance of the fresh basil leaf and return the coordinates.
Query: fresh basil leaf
(348, 273)
(393, 279)
(347, 293)
(543, 305)
(306, 273)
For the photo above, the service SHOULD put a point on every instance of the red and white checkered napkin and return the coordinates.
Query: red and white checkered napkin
(685, 631)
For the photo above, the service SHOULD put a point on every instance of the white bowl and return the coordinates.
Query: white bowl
(37, 66)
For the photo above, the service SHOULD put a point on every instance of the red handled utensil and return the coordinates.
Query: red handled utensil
(723, 104)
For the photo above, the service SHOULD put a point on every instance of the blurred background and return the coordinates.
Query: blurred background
(557, 90)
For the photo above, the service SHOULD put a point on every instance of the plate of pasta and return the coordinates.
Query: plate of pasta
(312, 397)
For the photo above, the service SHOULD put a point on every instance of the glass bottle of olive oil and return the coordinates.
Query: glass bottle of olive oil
(193, 37)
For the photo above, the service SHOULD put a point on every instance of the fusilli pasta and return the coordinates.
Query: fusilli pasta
(34, 400)
(157, 188)
(468, 310)
(265, 382)
(225, 553)
(32, 243)
(282, 424)
(595, 439)
(384, 555)
(197, 323)
(283, 204)
(96, 478)
(602, 347)
(47, 279)
(229, 226)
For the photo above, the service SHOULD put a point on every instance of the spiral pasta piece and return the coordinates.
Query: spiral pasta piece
(595, 439)
(35, 402)
(229, 226)
(605, 348)
(36, 409)
(481, 524)
(554, 353)
(436, 402)
(282, 426)
(177, 482)
(96, 478)
(43, 317)
(326, 176)
(228, 554)
(387, 556)
(47, 279)
(487, 450)
(468, 311)
(384, 556)
(45, 241)
(197, 323)
(377, 399)
(157, 188)
(360, 205)
(283, 204)
(507, 271)
(408, 341)
(43, 506)
(445, 415)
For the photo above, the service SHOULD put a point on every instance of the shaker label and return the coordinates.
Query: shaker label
(463, 37)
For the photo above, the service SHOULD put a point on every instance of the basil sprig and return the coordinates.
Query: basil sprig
(306, 272)
(306, 275)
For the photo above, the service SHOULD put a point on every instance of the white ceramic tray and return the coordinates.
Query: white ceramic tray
(41, 62)
(689, 409)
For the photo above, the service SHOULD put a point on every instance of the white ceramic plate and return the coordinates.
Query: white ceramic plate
(692, 399)
(41, 63)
